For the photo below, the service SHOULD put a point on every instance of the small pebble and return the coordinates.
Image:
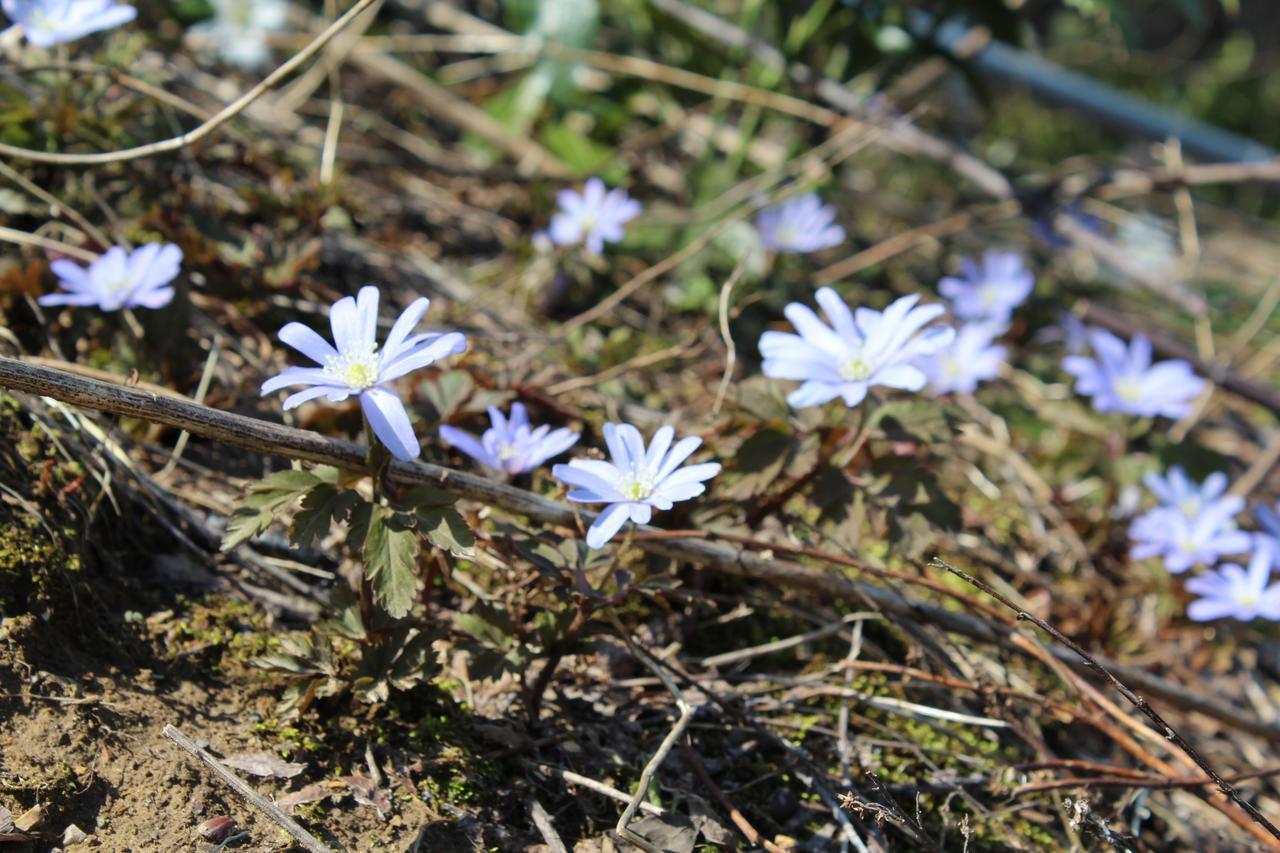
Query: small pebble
(217, 828)
(73, 835)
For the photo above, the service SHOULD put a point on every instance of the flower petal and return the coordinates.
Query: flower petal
(308, 342)
(607, 525)
(390, 422)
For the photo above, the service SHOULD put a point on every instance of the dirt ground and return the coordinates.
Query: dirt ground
(104, 766)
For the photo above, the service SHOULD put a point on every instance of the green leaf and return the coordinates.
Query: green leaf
(761, 460)
(266, 499)
(321, 508)
(391, 561)
(912, 420)
(447, 529)
(446, 394)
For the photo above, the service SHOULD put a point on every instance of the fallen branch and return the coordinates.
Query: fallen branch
(1151, 782)
(270, 809)
(1134, 699)
(687, 711)
(278, 440)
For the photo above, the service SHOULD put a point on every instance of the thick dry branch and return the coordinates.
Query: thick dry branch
(279, 440)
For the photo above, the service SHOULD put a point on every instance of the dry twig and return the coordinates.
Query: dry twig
(1137, 701)
(270, 809)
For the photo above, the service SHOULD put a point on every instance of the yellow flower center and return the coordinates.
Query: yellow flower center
(1129, 390)
(639, 486)
(855, 368)
(787, 235)
(357, 369)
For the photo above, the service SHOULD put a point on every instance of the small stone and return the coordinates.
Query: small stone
(217, 829)
(73, 835)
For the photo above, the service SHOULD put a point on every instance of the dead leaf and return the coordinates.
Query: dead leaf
(670, 833)
(30, 819)
(704, 820)
(263, 764)
(367, 793)
(310, 794)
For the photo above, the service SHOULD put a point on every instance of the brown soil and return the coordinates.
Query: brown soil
(87, 748)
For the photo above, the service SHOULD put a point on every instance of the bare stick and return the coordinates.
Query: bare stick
(251, 796)
(599, 787)
(788, 642)
(13, 235)
(687, 711)
(546, 828)
(739, 819)
(276, 439)
(207, 127)
(1136, 700)
(730, 351)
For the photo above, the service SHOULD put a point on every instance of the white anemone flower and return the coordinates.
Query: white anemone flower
(119, 278)
(46, 23)
(637, 480)
(239, 30)
(859, 349)
(354, 365)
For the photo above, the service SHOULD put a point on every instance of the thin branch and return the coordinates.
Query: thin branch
(788, 642)
(730, 350)
(270, 809)
(547, 829)
(601, 788)
(1152, 782)
(687, 712)
(1137, 701)
(13, 235)
(207, 127)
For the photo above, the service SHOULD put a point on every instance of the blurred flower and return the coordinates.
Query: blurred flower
(637, 480)
(1075, 334)
(511, 445)
(855, 352)
(1232, 592)
(971, 358)
(989, 290)
(356, 367)
(1186, 541)
(1147, 244)
(119, 278)
(1269, 520)
(239, 29)
(595, 217)
(49, 22)
(1123, 379)
(1179, 493)
(800, 224)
